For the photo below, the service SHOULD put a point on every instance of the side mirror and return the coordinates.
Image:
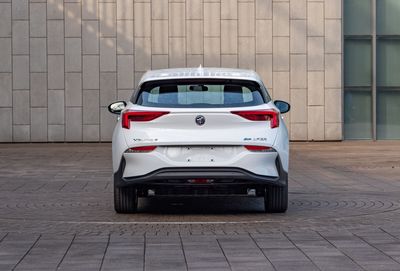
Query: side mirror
(117, 107)
(284, 107)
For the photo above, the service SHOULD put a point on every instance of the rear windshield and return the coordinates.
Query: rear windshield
(204, 94)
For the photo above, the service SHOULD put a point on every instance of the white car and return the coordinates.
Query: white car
(200, 132)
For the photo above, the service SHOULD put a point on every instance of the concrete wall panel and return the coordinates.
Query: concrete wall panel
(63, 62)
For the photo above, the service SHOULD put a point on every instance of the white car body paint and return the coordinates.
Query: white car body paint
(183, 143)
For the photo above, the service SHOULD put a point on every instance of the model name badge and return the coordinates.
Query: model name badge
(145, 139)
(255, 139)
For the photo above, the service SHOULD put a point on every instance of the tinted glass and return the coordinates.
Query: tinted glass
(357, 17)
(388, 62)
(388, 114)
(357, 114)
(388, 19)
(200, 94)
(358, 62)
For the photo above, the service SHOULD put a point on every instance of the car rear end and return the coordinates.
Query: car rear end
(200, 136)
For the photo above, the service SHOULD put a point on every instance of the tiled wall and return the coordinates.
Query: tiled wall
(63, 61)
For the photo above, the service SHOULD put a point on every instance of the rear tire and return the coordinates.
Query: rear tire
(125, 199)
(276, 199)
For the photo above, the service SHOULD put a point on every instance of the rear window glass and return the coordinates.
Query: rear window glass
(200, 94)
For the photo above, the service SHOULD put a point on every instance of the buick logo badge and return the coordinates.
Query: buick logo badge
(200, 120)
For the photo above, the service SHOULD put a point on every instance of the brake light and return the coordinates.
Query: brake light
(141, 116)
(260, 115)
(141, 149)
(254, 148)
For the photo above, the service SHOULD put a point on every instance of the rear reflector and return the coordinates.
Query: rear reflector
(141, 116)
(141, 149)
(258, 148)
(260, 115)
(200, 181)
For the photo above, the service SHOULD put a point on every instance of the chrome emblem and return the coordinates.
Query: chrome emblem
(200, 120)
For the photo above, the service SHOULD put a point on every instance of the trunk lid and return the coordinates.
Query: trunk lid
(179, 128)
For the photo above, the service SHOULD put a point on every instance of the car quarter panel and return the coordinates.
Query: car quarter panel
(119, 146)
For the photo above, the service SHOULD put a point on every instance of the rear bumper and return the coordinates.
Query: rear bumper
(221, 176)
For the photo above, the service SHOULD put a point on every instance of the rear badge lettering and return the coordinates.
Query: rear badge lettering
(145, 139)
(200, 120)
(255, 139)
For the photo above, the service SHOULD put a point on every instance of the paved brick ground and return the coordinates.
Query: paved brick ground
(56, 213)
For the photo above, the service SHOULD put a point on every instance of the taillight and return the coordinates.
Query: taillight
(260, 115)
(254, 148)
(141, 149)
(129, 116)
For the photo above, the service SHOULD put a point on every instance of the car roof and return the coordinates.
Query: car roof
(199, 73)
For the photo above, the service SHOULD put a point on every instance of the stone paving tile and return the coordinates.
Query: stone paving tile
(272, 241)
(85, 253)
(124, 253)
(46, 254)
(205, 255)
(167, 257)
(56, 210)
(242, 253)
(294, 265)
(323, 254)
(366, 255)
(13, 249)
